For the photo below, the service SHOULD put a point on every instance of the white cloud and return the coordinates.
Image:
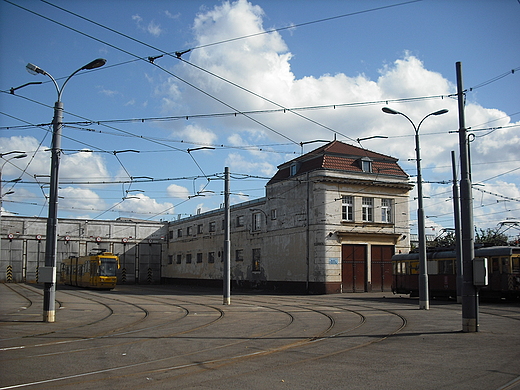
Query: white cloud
(142, 204)
(176, 191)
(80, 200)
(262, 64)
(196, 134)
(83, 164)
(238, 163)
(172, 16)
(152, 27)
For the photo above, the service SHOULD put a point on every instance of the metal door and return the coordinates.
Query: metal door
(353, 268)
(381, 266)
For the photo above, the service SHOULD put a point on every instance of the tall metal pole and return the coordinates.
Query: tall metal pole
(48, 273)
(458, 237)
(469, 292)
(227, 241)
(51, 234)
(424, 299)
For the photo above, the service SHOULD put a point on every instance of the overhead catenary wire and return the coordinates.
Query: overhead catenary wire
(178, 54)
(137, 60)
(151, 62)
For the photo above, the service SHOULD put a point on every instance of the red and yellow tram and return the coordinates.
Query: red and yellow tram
(503, 268)
(94, 271)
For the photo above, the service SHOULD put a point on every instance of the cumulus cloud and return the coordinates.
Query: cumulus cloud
(142, 204)
(177, 191)
(80, 200)
(196, 134)
(262, 64)
(84, 164)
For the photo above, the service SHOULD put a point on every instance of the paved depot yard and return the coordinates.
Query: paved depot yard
(165, 337)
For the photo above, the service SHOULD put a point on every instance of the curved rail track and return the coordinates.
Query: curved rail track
(162, 337)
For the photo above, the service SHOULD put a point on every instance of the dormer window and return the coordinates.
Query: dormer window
(365, 164)
(294, 169)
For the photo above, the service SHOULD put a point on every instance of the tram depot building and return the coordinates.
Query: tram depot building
(330, 222)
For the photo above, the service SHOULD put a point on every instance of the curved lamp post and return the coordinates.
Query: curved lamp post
(49, 272)
(424, 300)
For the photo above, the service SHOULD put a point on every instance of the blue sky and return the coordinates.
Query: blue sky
(367, 51)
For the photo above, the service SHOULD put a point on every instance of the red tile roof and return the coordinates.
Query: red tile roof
(339, 156)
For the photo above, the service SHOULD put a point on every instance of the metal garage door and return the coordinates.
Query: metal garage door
(353, 268)
(381, 267)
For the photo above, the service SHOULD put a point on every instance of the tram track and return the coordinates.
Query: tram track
(257, 337)
(167, 369)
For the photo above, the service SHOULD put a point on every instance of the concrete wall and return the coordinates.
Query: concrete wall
(300, 236)
(139, 244)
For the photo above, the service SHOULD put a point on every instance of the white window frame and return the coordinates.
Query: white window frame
(347, 207)
(367, 209)
(386, 210)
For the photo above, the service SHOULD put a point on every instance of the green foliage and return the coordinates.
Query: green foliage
(484, 237)
(445, 241)
(490, 237)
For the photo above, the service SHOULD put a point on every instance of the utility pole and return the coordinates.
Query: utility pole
(48, 273)
(458, 238)
(469, 291)
(227, 242)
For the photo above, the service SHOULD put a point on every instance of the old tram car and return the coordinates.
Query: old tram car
(503, 268)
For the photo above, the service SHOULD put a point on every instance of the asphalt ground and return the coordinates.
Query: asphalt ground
(169, 337)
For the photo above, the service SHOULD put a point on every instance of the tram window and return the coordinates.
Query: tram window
(445, 267)
(495, 264)
(505, 265)
(107, 268)
(516, 265)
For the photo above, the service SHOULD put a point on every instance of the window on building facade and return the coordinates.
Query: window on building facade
(212, 226)
(188, 258)
(179, 259)
(189, 231)
(367, 209)
(347, 208)
(239, 255)
(366, 164)
(170, 259)
(199, 257)
(179, 232)
(256, 260)
(257, 221)
(273, 214)
(211, 257)
(386, 210)
(293, 170)
(240, 220)
(200, 229)
(171, 234)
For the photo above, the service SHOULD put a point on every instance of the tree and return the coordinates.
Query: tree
(445, 240)
(490, 237)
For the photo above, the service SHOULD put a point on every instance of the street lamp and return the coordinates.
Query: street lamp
(49, 272)
(424, 300)
(18, 155)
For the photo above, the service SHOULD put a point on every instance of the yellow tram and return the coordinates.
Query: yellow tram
(94, 271)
